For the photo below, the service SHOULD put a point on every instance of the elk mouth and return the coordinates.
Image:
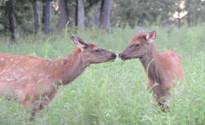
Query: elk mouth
(124, 57)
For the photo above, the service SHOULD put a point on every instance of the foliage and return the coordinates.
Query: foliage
(115, 93)
(196, 9)
(125, 12)
(139, 11)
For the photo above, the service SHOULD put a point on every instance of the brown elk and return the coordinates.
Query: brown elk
(162, 68)
(33, 81)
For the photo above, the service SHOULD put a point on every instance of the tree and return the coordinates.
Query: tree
(63, 17)
(47, 15)
(105, 14)
(36, 13)
(142, 12)
(196, 11)
(10, 10)
(3, 19)
(80, 14)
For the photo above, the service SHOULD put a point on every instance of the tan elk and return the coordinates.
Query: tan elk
(33, 81)
(163, 68)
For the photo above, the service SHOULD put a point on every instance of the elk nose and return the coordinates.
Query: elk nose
(121, 55)
(113, 55)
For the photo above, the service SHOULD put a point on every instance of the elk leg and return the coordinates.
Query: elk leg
(161, 96)
(33, 114)
(37, 105)
(37, 109)
(33, 107)
(151, 85)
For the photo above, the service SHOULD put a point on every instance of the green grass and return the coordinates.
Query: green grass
(115, 93)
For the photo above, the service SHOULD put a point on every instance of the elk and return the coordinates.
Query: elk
(33, 81)
(163, 68)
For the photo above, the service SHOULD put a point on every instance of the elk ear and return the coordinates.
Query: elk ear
(79, 42)
(151, 36)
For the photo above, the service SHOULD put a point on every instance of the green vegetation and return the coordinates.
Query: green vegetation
(115, 93)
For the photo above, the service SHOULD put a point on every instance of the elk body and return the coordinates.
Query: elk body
(33, 81)
(163, 68)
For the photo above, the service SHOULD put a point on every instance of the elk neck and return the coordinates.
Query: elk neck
(150, 63)
(70, 67)
(150, 56)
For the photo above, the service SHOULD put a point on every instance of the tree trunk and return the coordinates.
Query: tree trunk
(47, 16)
(97, 16)
(63, 17)
(80, 14)
(11, 18)
(105, 14)
(188, 3)
(36, 13)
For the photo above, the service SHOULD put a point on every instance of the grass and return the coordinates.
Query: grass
(115, 93)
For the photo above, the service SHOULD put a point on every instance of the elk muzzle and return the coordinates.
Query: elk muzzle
(113, 56)
(123, 56)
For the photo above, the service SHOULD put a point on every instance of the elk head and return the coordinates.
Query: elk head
(139, 46)
(91, 53)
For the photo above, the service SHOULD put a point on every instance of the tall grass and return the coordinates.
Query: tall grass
(115, 93)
